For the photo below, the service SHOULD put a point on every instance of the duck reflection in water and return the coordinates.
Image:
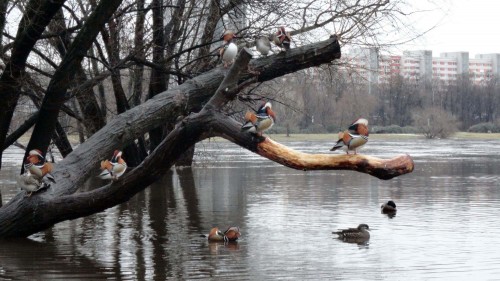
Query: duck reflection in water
(217, 247)
(358, 235)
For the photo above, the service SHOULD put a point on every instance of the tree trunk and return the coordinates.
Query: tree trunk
(92, 115)
(158, 81)
(38, 15)
(186, 158)
(138, 69)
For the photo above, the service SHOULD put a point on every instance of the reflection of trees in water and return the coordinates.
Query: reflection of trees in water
(47, 261)
(186, 180)
(138, 235)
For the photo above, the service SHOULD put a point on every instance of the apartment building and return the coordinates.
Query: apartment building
(372, 67)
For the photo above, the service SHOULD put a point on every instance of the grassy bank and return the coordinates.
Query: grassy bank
(332, 137)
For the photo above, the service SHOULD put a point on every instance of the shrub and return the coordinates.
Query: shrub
(435, 122)
(487, 127)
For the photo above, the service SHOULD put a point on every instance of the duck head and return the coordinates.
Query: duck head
(281, 31)
(266, 108)
(391, 203)
(117, 154)
(36, 152)
(361, 121)
(360, 126)
(215, 235)
(232, 234)
(228, 36)
(363, 226)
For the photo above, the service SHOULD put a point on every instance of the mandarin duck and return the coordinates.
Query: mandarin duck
(229, 50)
(263, 45)
(112, 170)
(35, 163)
(282, 39)
(261, 121)
(230, 235)
(36, 169)
(357, 235)
(388, 208)
(354, 137)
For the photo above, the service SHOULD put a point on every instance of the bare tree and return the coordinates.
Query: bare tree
(195, 102)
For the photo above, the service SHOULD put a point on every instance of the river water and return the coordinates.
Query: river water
(447, 226)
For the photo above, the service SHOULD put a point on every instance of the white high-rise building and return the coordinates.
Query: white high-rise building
(417, 65)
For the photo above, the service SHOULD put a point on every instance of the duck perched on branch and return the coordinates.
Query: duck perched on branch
(354, 137)
(229, 49)
(261, 121)
(282, 39)
(263, 45)
(112, 170)
(36, 170)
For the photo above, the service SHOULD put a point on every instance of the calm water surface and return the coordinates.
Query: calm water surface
(447, 226)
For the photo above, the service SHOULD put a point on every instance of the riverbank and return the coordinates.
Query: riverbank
(329, 137)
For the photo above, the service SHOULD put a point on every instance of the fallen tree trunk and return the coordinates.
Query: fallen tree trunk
(24, 216)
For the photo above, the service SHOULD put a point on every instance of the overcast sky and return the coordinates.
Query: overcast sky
(462, 25)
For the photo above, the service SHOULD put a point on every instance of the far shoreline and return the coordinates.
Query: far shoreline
(333, 136)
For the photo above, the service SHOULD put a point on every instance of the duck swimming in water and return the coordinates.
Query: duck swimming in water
(230, 235)
(357, 235)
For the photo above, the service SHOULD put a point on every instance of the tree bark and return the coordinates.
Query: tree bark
(24, 216)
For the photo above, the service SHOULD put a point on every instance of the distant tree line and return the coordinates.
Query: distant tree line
(327, 101)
